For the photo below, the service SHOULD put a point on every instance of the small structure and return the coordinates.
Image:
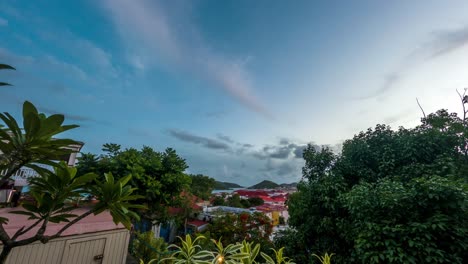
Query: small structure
(94, 239)
(196, 226)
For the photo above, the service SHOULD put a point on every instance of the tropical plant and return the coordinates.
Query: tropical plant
(251, 252)
(325, 259)
(279, 258)
(190, 252)
(36, 145)
(52, 190)
(146, 247)
(117, 197)
(230, 255)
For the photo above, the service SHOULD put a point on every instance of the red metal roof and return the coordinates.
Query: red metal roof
(89, 224)
(197, 223)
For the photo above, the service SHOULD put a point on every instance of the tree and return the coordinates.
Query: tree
(392, 196)
(234, 201)
(233, 228)
(255, 201)
(202, 186)
(218, 201)
(158, 176)
(51, 189)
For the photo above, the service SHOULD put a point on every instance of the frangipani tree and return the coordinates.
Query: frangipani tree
(34, 144)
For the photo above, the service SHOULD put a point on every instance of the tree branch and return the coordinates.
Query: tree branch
(420, 107)
(74, 221)
(21, 231)
(463, 101)
(44, 239)
(4, 237)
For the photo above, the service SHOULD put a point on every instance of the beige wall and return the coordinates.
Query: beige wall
(82, 249)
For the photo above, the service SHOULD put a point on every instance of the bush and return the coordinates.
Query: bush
(146, 247)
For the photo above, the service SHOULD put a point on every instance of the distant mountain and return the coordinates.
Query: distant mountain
(265, 185)
(288, 185)
(226, 185)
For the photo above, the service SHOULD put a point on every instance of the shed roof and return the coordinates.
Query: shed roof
(89, 224)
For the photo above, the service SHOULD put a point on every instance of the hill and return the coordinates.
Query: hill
(264, 185)
(226, 185)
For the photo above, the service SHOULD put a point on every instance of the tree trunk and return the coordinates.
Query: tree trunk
(5, 252)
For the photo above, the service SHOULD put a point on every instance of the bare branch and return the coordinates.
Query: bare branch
(420, 107)
(463, 98)
(4, 237)
(44, 239)
(21, 231)
(74, 221)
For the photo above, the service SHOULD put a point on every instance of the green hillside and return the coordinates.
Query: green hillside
(226, 185)
(264, 185)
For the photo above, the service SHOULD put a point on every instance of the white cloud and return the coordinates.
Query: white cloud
(149, 30)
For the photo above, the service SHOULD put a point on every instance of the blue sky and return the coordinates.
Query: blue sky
(236, 87)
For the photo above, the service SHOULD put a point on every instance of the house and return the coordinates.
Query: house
(94, 239)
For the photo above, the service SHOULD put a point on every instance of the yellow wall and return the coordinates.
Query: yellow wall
(275, 218)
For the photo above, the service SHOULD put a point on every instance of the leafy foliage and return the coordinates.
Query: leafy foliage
(51, 192)
(158, 177)
(325, 259)
(278, 259)
(234, 228)
(148, 248)
(392, 196)
(36, 144)
(117, 197)
(191, 252)
(202, 186)
(230, 254)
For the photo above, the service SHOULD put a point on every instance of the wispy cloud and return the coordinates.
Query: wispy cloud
(225, 138)
(439, 43)
(149, 28)
(443, 42)
(203, 141)
(285, 150)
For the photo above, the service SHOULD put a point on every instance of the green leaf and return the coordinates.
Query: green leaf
(6, 67)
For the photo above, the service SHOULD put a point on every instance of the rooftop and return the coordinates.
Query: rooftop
(89, 224)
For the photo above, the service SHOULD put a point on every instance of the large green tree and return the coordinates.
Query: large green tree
(202, 186)
(391, 196)
(158, 176)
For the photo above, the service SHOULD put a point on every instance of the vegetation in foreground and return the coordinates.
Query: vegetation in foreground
(388, 197)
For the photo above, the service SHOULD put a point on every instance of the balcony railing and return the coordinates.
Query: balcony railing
(20, 177)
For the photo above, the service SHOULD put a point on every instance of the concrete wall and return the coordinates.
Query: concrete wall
(79, 249)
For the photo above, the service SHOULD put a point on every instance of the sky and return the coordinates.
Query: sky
(238, 88)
